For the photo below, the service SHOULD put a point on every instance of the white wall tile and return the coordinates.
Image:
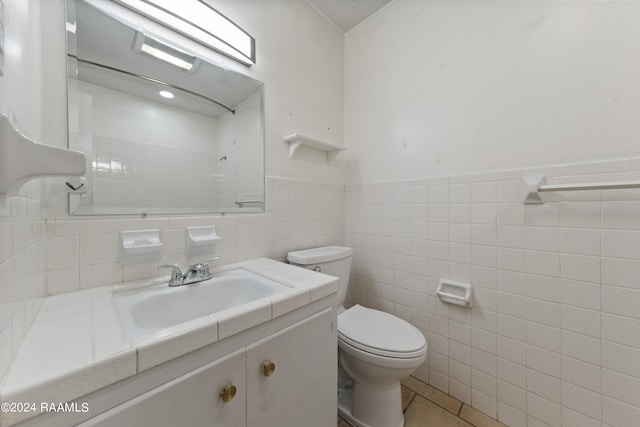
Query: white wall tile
(543, 239)
(543, 287)
(484, 403)
(511, 236)
(511, 416)
(571, 418)
(580, 241)
(61, 281)
(483, 213)
(580, 373)
(618, 414)
(621, 330)
(581, 347)
(621, 301)
(544, 410)
(582, 400)
(586, 322)
(579, 267)
(513, 374)
(544, 263)
(621, 387)
(544, 361)
(580, 294)
(621, 358)
(512, 350)
(621, 272)
(510, 214)
(621, 244)
(580, 214)
(483, 192)
(99, 248)
(544, 385)
(62, 252)
(544, 336)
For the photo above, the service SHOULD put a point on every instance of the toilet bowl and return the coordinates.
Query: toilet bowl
(375, 349)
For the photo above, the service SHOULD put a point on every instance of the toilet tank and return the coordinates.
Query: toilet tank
(331, 260)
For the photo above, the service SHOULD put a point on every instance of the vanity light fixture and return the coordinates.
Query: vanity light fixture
(199, 21)
(164, 52)
(166, 94)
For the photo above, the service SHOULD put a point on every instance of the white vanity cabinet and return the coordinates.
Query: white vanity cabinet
(304, 358)
(190, 400)
(285, 379)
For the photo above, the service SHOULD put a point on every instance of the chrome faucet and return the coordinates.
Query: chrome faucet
(195, 273)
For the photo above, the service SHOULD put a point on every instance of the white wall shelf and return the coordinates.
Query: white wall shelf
(296, 141)
(22, 159)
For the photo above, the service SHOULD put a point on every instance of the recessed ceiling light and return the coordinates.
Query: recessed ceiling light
(166, 94)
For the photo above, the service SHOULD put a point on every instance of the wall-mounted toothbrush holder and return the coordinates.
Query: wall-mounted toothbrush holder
(22, 159)
(454, 292)
(201, 240)
(56, 185)
(140, 246)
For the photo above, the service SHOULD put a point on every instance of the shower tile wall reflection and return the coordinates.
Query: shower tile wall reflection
(137, 175)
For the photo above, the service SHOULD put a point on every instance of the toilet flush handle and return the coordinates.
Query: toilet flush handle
(317, 268)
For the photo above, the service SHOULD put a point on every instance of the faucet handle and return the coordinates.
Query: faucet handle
(206, 264)
(176, 273)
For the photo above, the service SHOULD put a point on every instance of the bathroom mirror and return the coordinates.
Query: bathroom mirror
(165, 130)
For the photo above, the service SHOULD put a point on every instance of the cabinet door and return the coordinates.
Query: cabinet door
(190, 400)
(302, 390)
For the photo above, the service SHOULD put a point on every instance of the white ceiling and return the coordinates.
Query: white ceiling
(346, 14)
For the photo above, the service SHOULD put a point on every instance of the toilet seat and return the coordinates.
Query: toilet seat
(379, 333)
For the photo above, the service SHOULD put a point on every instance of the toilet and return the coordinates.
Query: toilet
(375, 349)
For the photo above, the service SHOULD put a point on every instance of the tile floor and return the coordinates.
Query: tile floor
(425, 406)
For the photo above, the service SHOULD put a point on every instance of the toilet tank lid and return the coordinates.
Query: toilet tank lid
(318, 255)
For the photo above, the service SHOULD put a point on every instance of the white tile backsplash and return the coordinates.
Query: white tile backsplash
(23, 263)
(299, 214)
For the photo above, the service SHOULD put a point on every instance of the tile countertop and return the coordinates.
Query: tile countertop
(76, 344)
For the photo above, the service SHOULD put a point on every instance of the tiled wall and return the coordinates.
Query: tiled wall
(130, 174)
(22, 275)
(84, 253)
(553, 337)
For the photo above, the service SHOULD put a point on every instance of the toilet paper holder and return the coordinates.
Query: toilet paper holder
(453, 292)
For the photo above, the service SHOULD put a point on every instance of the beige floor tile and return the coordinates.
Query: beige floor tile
(424, 413)
(436, 396)
(477, 418)
(407, 396)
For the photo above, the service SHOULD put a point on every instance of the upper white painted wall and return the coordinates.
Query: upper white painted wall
(452, 87)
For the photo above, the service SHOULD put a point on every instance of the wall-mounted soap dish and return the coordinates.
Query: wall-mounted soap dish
(201, 240)
(140, 246)
(454, 292)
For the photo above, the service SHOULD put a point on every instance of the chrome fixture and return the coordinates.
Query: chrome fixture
(195, 273)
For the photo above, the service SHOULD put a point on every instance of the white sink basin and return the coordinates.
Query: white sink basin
(158, 307)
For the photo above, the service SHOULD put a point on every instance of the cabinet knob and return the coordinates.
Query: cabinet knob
(268, 368)
(228, 392)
